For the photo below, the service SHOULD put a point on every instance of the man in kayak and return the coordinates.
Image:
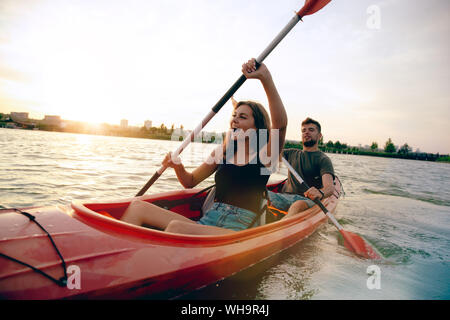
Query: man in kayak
(238, 164)
(313, 165)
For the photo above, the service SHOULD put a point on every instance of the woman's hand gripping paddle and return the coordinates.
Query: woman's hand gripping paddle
(352, 241)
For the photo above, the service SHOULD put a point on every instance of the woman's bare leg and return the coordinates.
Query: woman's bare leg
(140, 212)
(295, 208)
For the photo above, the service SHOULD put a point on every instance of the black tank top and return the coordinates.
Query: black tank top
(241, 186)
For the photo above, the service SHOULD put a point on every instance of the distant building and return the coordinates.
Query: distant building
(19, 116)
(124, 123)
(52, 120)
(147, 124)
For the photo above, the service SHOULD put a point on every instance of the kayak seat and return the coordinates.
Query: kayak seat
(191, 205)
(209, 201)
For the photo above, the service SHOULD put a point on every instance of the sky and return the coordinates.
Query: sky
(367, 70)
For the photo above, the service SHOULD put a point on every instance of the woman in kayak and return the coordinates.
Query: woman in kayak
(240, 177)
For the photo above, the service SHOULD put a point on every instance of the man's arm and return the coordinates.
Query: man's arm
(325, 192)
(328, 185)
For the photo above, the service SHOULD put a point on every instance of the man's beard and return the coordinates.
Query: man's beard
(310, 143)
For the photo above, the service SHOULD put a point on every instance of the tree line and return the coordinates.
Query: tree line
(389, 150)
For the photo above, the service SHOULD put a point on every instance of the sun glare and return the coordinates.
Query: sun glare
(80, 67)
(83, 139)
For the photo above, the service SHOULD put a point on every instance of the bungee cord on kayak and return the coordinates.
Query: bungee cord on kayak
(62, 282)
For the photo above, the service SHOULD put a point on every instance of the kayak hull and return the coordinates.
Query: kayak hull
(109, 259)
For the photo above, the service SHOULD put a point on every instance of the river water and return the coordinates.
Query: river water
(402, 207)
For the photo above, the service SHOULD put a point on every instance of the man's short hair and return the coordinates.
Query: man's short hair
(309, 120)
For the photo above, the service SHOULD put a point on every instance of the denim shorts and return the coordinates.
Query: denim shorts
(283, 201)
(228, 216)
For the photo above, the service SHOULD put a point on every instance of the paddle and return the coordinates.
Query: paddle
(310, 7)
(352, 241)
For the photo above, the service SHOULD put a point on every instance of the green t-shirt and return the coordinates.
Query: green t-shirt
(311, 166)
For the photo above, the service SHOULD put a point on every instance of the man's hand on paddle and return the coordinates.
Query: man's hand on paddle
(313, 193)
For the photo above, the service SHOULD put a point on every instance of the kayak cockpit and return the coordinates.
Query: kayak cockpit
(106, 216)
(185, 202)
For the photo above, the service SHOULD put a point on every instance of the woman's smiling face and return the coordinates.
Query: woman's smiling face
(242, 118)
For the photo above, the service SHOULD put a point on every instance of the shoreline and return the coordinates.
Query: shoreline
(143, 134)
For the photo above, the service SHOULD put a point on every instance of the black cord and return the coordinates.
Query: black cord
(62, 282)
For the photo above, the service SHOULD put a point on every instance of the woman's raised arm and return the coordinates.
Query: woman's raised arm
(278, 114)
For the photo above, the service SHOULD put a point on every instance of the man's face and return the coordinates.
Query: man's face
(310, 135)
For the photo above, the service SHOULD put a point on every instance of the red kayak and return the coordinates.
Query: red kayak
(104, 258)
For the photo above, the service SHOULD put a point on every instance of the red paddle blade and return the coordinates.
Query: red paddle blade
(312, 6)
(356, 244)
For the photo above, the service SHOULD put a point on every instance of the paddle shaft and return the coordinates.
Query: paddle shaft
(239, 82)
(316, 201)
